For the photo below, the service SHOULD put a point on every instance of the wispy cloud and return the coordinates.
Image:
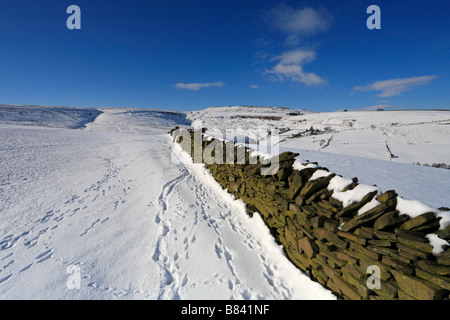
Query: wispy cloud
(297, 23)
(395, 87)
(198, 86)
(255, 86)
(289, 67)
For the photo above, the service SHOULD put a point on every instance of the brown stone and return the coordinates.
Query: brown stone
(316, 196)
(295, 184)
(318, 221)
(358, 248)
(444, 258)
(333, 260)
(332, 225)
(390, 219)
(325, 246)
(308, 247)
(320, 276)
(366, 262)
(388, 195)
(313, 186)
(412, 235)
(383, 235)
(333, 287)
(380, 243)
(322, 233)
(295, 209)
(388, 252)
(444, 234)
(290, 238)
(350, 268)
(433, 267)
(367, 233)
(351, 209)
(398, 265)
(345, 288)
(418, 221)
(417, 287)
(425, 247)
(370, 215)
(440, 281)
(404, 296)
(411, 251)
(343, 255)
(353, 237)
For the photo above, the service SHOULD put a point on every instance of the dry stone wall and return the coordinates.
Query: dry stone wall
(379, 254)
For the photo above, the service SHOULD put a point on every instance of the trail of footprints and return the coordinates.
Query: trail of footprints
(52, 218)
(173, 278)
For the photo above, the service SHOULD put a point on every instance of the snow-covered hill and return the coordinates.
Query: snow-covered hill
(110, 213)
(116, 206)
(44, 116)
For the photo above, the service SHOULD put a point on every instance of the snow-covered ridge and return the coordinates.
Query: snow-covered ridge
(103, 119)
(45, 116)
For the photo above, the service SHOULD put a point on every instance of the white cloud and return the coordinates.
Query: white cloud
(296, 23)
(198, 86)
(255, 86)
(290, 67)
(395, 87)
(298, 56)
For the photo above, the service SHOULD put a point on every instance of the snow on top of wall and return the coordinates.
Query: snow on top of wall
(437, 243)
(354, 195)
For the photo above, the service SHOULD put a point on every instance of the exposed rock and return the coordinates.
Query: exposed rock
(434, 268)
(440, 281)
(352, 209)
(353, 237)
(313, 186)
(370, 215)
(390, 219)
(418, 221)
(417, 288)
(388, 195)
(444, 258)
(308, 246)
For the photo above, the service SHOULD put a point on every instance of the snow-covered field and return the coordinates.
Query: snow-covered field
(112, 205)
(103, 197)
(378, 147)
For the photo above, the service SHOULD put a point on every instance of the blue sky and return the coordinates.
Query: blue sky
(192, 54)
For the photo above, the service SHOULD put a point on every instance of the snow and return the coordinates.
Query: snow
(370, 205)
(112, 203)
(437, 243)
(320, 174)
(300, 165)
(412, 208)
(355, 195)
(105, 192)
(444, 219)
(338, 183)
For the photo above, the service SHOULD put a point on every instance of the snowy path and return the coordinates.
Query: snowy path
(115, 206)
